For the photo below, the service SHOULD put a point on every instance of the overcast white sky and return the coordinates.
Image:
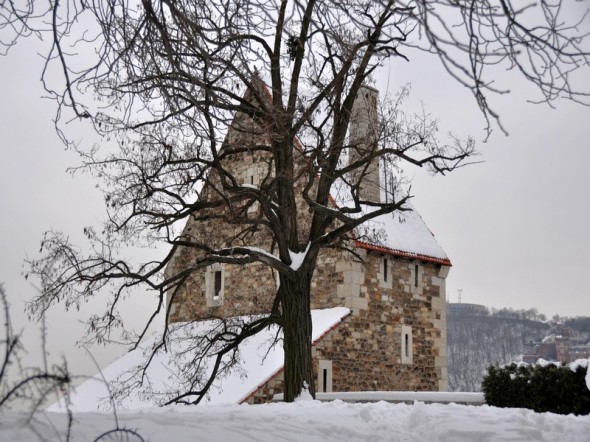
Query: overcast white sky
(515, 226)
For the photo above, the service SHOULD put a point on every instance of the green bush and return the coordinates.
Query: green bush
(547, 387)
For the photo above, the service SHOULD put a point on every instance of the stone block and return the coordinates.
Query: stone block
(440, 361)
(353, 277)
(348, 290)
(439, 303)
(443, 272)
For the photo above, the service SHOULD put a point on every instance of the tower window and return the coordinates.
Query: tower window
(217, 289)
(407, 345)
(416, 275)
(385, 269)
(214, 285)
(325, 376)
(407, 353)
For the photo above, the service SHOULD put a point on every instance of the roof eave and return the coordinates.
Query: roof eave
(403, 254)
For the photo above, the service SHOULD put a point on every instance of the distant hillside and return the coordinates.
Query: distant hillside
(476, 340)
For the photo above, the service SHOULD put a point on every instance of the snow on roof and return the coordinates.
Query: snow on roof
(404, 234)
(401, 233)
(257, 366)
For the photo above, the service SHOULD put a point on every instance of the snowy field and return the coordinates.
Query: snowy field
(307, 421)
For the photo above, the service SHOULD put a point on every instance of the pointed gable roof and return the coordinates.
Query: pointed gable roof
(258, 364)
(405, 235)
(402, 234)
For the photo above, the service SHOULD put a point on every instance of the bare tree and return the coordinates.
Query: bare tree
(166, 78)
(29, 388)
(22, 386)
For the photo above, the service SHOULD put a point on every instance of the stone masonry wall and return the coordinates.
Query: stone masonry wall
(363, 141)
(365, 350)
(247, 289)
(275, 385)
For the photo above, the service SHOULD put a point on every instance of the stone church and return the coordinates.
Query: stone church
(393, 336)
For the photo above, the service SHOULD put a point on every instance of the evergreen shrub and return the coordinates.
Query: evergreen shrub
(542, 387)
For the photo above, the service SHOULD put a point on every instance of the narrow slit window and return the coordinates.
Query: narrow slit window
(385, 269)
(217, 289)
(407, 355)
(416, 276)
(324, 376)
(252, 179)
(407, 345)
(214, 285)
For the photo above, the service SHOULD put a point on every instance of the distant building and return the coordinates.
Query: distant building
(474, 309)
(558, 347)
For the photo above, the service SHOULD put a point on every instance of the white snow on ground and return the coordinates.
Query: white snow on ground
(256, 362)
(471, 398)
(309, 421)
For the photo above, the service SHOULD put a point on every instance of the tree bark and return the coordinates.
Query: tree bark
(297, 328)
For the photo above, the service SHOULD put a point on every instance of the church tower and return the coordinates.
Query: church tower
(363, 137)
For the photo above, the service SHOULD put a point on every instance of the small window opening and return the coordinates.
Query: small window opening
(407, 345)
(324, 376)
(252, 179)
(385, 269)
(416, 276)
(217, 284)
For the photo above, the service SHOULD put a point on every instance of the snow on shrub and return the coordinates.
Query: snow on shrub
(542, 387)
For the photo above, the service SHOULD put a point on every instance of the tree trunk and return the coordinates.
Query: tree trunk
(297, 328)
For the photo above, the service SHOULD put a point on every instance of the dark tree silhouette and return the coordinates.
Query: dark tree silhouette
(165, 78)
(22, 386)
